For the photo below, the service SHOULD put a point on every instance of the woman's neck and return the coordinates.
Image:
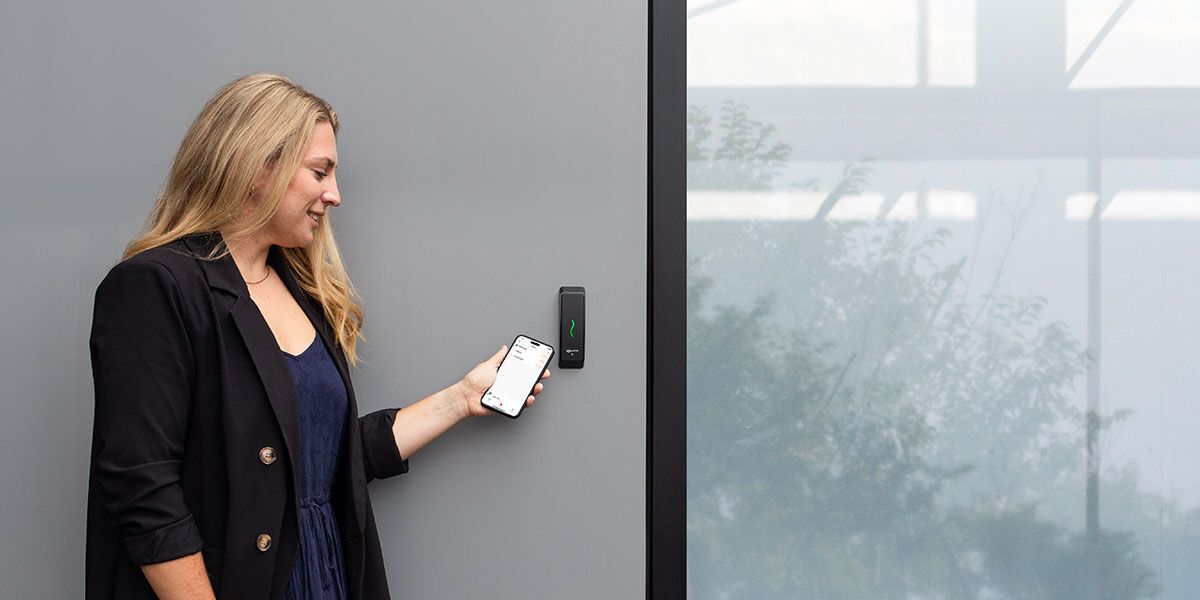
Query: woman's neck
(250, 254)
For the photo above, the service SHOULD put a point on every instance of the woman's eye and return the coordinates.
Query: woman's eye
(320, 175)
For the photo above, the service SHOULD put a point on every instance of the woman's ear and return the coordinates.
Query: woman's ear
(256, 189)
(261, 181)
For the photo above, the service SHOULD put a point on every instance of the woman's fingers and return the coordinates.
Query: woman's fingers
(537, 389)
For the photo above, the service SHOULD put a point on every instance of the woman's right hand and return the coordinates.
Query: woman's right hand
(479, 379)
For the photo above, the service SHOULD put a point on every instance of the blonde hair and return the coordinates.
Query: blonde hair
(253, 123)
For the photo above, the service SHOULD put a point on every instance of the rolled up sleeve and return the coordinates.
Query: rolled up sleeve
(143, 370)
(381, 457)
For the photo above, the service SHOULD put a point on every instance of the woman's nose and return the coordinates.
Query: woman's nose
(332, 197)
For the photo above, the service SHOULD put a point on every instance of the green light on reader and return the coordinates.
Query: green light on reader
(572, 332)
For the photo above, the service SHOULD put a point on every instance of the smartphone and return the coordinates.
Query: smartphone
(519, 373)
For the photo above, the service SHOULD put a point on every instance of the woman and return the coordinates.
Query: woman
(228, 456)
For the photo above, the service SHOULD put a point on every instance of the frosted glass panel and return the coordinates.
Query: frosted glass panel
(942, 320)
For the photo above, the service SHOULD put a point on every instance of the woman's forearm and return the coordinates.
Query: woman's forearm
(181, 579)
(421, 422)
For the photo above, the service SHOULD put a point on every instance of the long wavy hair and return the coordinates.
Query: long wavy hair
(255, 122)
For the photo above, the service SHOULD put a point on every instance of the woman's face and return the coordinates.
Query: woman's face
(310, 194)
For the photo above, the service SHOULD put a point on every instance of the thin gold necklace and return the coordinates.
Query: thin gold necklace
(260, 280)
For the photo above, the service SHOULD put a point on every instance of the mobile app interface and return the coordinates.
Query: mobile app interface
(522, 367)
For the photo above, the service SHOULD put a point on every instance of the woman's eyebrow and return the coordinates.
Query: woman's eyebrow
(329, 162)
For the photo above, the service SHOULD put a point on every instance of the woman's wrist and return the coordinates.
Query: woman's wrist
(459, 399)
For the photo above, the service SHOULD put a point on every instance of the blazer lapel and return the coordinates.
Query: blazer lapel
(223, 274)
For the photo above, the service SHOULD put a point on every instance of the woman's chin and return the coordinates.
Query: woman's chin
(302, 240)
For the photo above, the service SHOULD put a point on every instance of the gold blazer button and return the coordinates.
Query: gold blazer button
(264, 542)
(267, 455)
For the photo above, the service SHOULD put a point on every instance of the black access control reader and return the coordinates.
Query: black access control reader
(570, 327)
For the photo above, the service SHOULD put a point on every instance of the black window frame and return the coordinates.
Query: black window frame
(666, 302)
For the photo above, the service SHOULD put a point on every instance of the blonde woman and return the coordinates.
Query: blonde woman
(228, 455)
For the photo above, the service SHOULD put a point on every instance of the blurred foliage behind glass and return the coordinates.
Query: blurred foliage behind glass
(896, 436)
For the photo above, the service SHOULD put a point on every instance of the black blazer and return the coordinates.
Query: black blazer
(196, 424)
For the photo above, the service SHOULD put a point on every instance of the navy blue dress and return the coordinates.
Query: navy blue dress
(318, 571)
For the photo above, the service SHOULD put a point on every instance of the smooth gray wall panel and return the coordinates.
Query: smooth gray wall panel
(489, 155)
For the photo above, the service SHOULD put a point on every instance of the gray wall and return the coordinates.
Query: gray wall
(475, 135)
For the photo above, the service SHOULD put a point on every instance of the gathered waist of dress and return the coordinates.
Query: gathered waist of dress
(313, 501)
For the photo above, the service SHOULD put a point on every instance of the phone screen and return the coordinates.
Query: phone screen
(520, 370)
